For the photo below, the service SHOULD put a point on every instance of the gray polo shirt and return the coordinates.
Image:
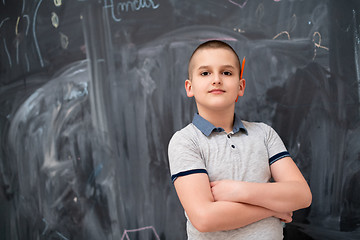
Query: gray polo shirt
(245, 154)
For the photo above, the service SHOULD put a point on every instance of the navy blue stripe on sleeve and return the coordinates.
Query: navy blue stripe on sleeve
(180, 174)
(278, 157)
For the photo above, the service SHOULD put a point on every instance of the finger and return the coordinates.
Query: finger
(286, 220)
(213, 183)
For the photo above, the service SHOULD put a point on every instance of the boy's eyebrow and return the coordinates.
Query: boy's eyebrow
(223, 66)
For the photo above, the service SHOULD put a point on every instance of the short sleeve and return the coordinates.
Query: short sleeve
(275, 146)
(184, 155)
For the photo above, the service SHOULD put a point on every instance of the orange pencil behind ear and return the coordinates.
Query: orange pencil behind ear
(241, 74)
(242, 68)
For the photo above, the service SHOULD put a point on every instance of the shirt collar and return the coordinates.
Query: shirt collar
(207, 128)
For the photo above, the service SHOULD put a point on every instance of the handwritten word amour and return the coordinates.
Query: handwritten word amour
(125, 6)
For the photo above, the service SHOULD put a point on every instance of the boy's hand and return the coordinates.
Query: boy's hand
(284, 217)
(228, 190)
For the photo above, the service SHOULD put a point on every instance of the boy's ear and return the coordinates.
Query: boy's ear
(242, 87)
(188, 88)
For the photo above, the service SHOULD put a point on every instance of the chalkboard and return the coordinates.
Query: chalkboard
(92, 91)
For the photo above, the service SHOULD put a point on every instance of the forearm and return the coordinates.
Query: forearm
(288, 193)
(277, 196)
(224, 215)
(208, 215)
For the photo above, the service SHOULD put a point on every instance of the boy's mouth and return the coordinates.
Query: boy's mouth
(216, 91)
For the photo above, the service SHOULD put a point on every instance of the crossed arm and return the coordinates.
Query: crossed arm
(228, 204)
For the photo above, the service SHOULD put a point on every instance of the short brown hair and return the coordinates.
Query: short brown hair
(215, 44)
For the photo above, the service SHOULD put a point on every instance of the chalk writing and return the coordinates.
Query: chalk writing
(125, 234)
(134, 5)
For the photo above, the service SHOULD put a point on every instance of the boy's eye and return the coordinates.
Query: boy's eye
(227, 73)
(205, 74)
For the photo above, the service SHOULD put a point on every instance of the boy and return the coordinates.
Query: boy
(221, 166)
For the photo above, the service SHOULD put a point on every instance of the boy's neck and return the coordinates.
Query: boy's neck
(223, 119)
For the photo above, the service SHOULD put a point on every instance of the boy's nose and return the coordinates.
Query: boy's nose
(217, 79)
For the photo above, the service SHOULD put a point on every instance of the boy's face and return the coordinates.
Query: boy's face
(214, 79)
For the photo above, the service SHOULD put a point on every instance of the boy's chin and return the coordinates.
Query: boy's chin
(219, 106)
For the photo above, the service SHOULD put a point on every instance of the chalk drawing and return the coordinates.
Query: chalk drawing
(7, 53)
(17, 51)
(357, 51)
(46, 226)
(95, 173)
(2, 22)
(282, 33)
(17, 40)
(260, 12)
(54, 20)
(317, 42)
(62, 236)
(35, 37)
(220, 39)
(239, 4)
(239, 30)
(23, 7)
(125, 234)
(292, 23)
(57, 3)
(28, 24)
(64, 40)
(27, 62)
(242, 5)
(17, 26)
